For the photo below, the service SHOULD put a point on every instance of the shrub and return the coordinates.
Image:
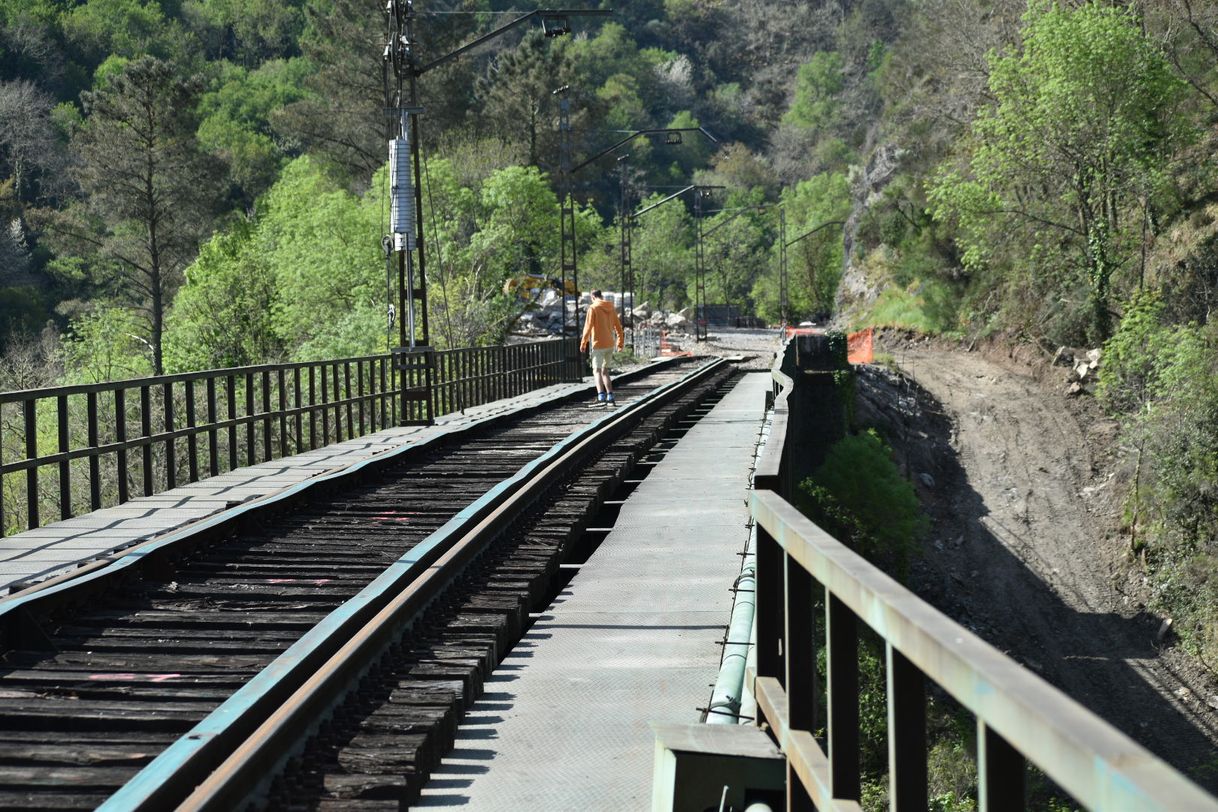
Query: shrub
(1131, 356)
(859, 495)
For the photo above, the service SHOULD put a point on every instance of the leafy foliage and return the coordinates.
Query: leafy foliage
(859, 496)
(816, 87)
(1081, 126)
(236, 125)
(1164, 377)
(150, 190)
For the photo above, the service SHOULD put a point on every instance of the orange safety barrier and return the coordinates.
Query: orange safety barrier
(860, 347)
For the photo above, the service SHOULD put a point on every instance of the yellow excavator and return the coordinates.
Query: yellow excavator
(529, 286)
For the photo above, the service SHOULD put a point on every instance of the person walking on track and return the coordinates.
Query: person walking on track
(599, 329)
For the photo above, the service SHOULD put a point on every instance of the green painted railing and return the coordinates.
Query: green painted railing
(1020, 718)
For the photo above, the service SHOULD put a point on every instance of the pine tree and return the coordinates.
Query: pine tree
(148, 190)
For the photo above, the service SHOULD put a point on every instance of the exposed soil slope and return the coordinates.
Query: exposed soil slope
(1022, 487)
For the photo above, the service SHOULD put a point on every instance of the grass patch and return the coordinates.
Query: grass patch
(924, 305)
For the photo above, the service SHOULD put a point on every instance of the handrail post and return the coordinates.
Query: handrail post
(192, 439)
(3, 512)
(770, 624)
(213, 449)
(146, 431)
(120, 438)
(298, 422)
(268, 419)
(31, 452)
(94, 463)
(281, 380)
(842, 667)
(384, 390)
(800, 682)
(907, 778)
(251, 431)
(1001, 774)
(65, 467)
(312, 407)
(171, 464)
(230, 398)
(359, 386)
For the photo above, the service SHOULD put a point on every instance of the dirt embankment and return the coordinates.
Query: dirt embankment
(1024, 489)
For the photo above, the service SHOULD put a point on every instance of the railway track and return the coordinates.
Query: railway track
(410, 576)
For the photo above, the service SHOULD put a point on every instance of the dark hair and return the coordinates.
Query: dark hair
(596, 294)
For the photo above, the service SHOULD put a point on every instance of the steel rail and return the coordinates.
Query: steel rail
(237, 746)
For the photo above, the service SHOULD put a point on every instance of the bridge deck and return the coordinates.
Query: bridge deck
(563, 722)
(58, 548)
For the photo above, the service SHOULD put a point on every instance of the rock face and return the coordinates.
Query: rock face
(868, 184)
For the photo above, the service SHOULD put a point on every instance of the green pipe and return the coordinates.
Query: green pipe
(730, 691)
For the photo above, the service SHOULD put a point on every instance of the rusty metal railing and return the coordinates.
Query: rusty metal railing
(144, 436)
(472, 376)
(1020, 718)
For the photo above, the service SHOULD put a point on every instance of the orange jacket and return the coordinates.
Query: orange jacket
(602, 323)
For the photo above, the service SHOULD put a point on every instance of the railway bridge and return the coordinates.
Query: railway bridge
(279, 588)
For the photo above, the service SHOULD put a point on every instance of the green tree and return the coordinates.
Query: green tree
(323, 248)
(859, 495)
(236, 115)
(1133, 357)
(624, 107)
(1080, 129)
(694, 152)
(148, 191)
(736, 251)
(340, 119)
(303, 279)
(815, 106)
(516, 234)
(516, 94)
(127, 28)
(248, 30)
(105, 344)
(814, 263)
(222, 315)
(662, 254)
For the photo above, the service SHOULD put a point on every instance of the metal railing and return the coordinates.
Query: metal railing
(646, 341)
(144, 436)
(475, 375)
(1020, 718)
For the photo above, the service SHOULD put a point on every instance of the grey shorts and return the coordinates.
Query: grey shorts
(600, 358)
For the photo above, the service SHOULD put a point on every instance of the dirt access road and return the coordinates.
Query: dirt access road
(1021, 485)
